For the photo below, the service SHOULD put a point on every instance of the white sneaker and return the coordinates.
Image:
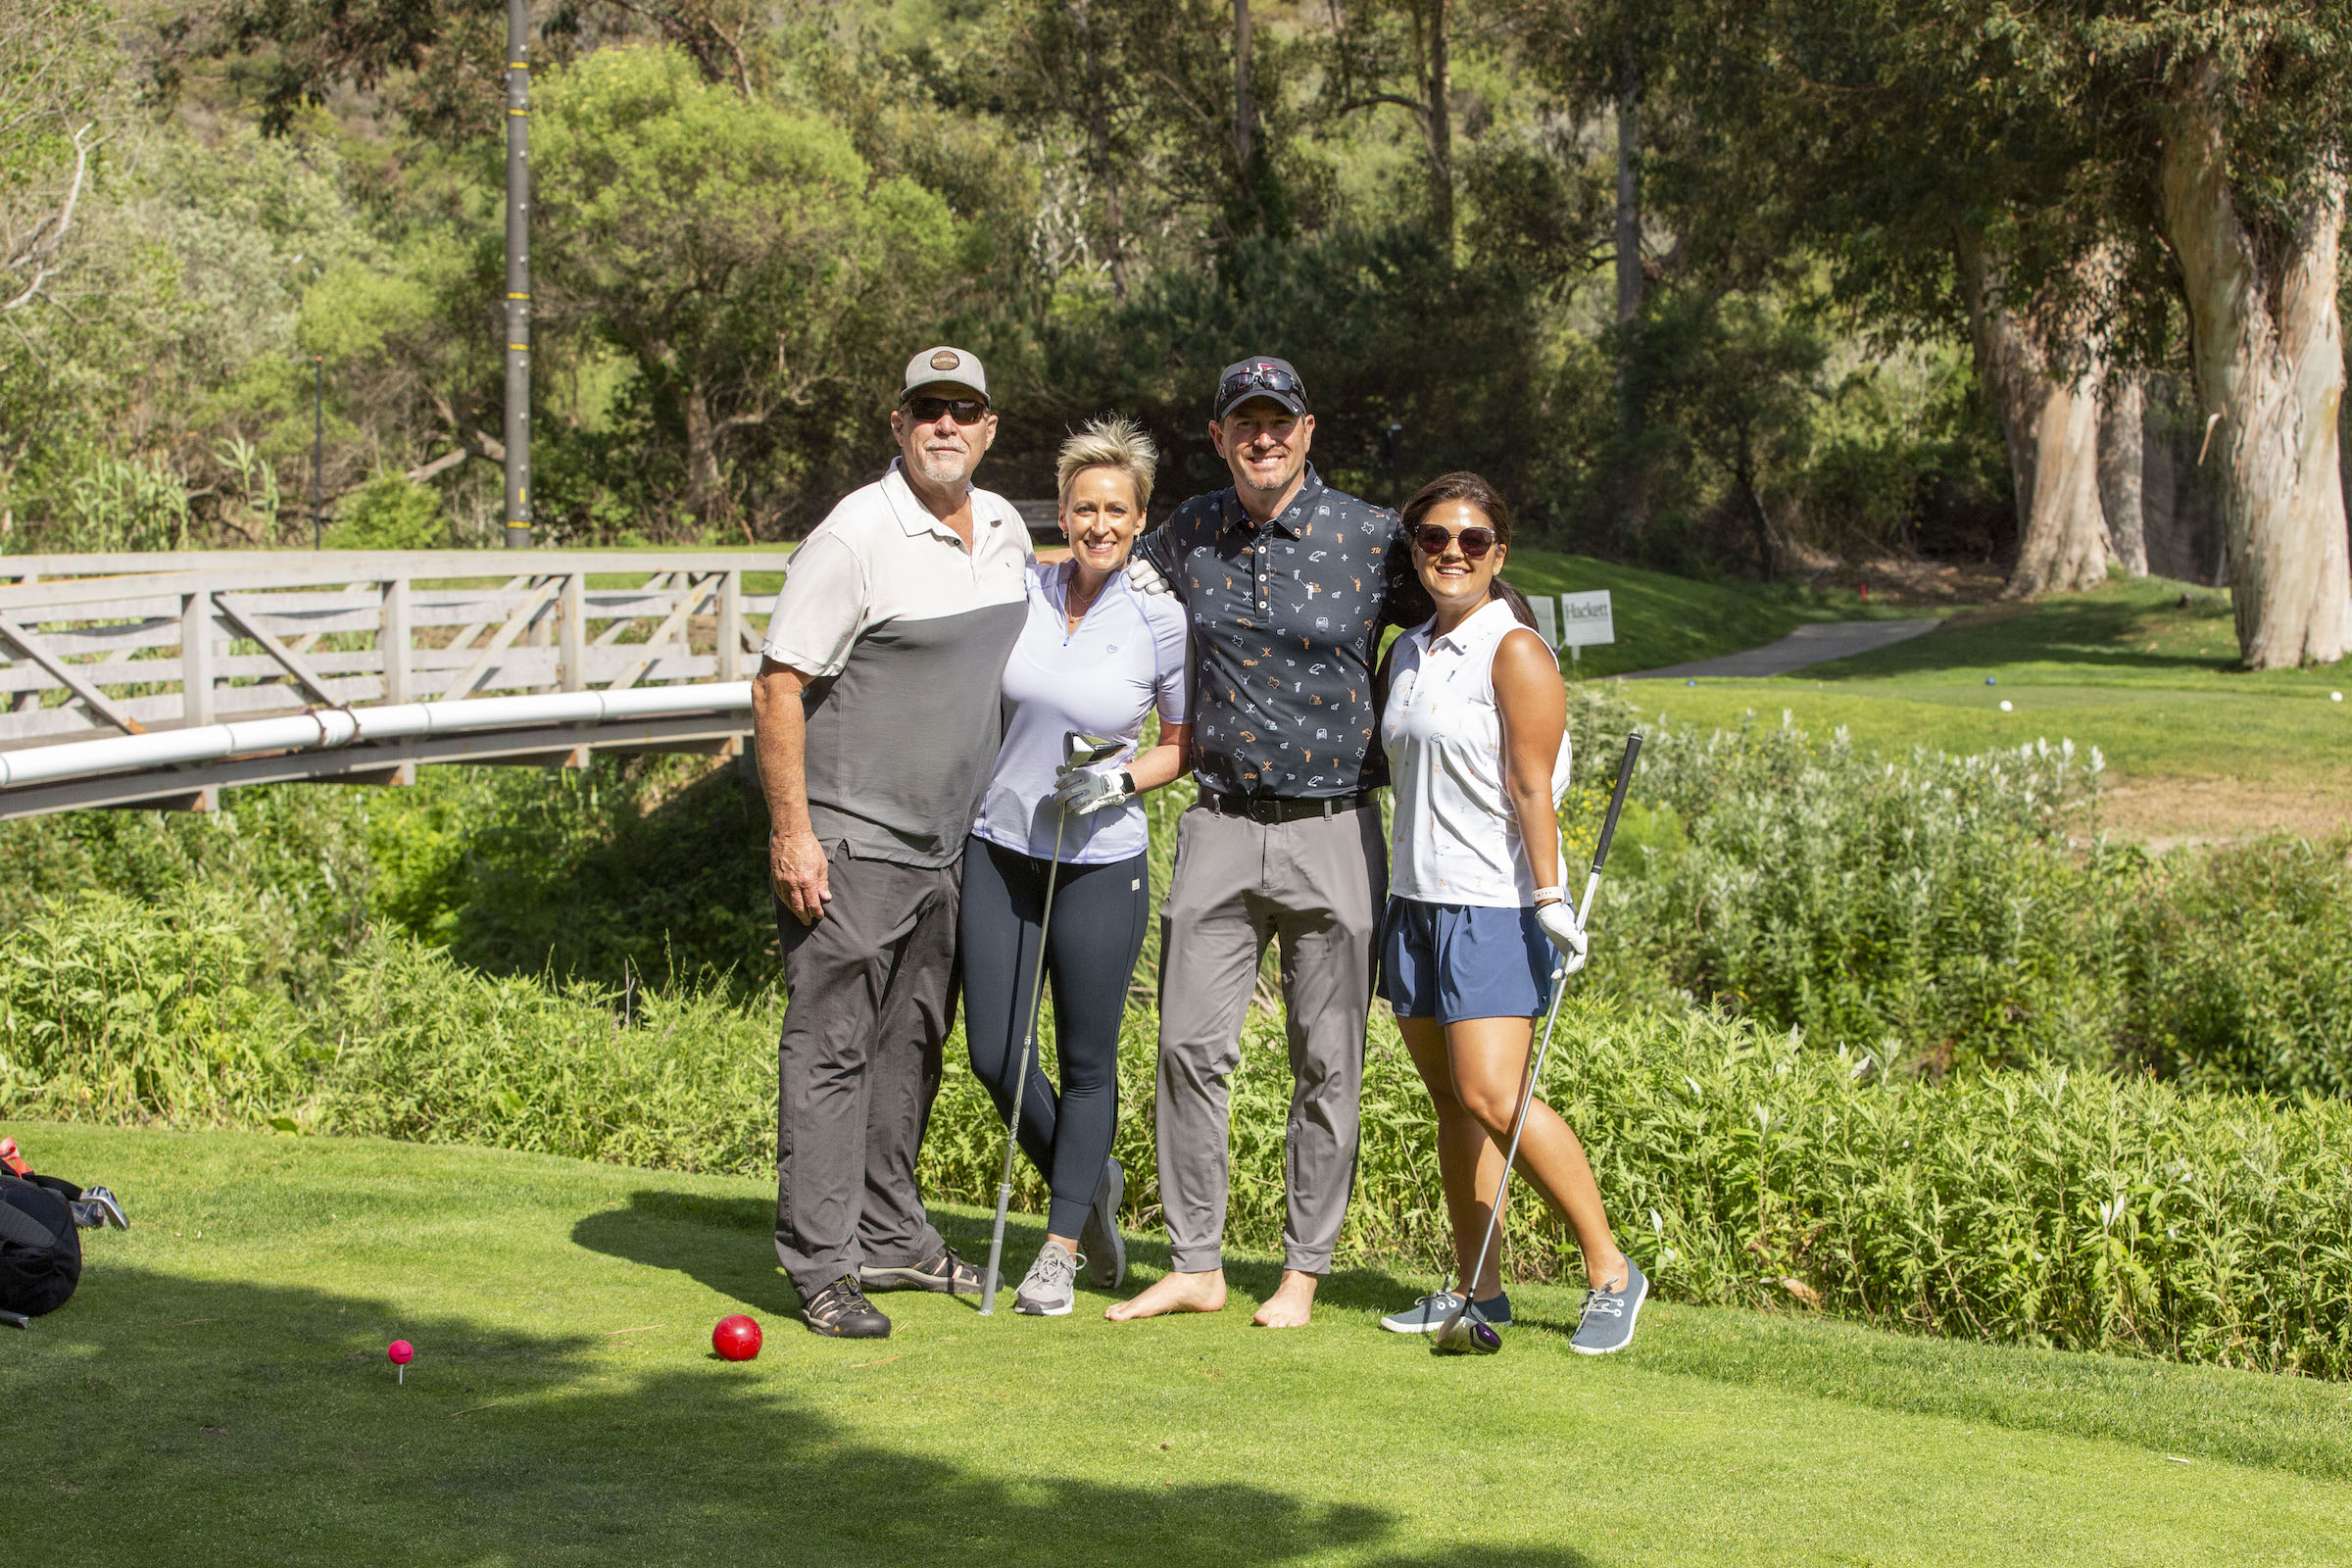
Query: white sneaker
(1051, 1288)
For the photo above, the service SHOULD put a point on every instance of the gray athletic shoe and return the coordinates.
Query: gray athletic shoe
(1105, 1249)
(1607, 1323)
(1429, 1315)
(1051, 1285)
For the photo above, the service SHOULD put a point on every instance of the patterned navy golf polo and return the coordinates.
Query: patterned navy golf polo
(1286, 630)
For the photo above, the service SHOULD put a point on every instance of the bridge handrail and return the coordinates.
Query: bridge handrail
(86, 653)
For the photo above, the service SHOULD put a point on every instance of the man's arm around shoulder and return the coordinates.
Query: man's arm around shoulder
(796, 861)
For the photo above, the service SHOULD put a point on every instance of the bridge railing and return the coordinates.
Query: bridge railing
(96, 646)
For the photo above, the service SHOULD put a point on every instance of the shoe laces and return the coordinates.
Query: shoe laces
(1054, 1270)
(1603, 1303)
(845, 1295)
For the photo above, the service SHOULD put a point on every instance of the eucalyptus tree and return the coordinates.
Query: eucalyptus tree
(740, 256)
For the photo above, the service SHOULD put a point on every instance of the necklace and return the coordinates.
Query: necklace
(1073, 611)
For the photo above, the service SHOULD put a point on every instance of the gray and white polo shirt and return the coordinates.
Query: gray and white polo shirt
(905, 633)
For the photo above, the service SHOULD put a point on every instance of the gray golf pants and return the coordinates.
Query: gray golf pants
(1317, 884)
(871, 999)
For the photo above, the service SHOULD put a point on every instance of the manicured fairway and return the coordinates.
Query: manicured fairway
(218, 1394)
(2193, 742)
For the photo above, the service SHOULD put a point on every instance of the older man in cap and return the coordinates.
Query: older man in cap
(1287, 584)
(876, 718)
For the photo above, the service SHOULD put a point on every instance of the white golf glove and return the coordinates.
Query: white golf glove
(1081, 791)
(1145, 578)
(1558, 917)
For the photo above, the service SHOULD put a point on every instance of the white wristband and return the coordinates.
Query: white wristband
(1551, 895)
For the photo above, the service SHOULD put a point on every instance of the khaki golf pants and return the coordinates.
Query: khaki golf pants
(1317, 884)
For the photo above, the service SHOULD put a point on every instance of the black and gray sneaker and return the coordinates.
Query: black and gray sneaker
(1607, 1323)
(1102, 1245)
(1052, 1287)
(945, 1273)
(1429, 1315)
(840, 1311)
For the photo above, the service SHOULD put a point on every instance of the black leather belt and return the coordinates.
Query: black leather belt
(1283, 808)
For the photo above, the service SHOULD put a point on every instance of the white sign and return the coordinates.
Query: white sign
(1547, 622)
(1585, 620)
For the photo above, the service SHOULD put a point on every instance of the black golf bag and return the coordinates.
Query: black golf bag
(41, 1245)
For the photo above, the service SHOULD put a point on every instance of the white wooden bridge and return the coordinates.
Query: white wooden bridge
(155, 680)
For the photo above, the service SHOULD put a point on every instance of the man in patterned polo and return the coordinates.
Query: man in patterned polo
(1287, 584)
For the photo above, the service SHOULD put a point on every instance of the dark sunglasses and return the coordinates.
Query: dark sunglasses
(1432, 540)
(1261, 378)
(926, 410)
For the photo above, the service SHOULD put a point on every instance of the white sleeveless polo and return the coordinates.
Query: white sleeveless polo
(1455, 838)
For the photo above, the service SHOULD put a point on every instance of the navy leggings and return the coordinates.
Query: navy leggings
(1099, 921)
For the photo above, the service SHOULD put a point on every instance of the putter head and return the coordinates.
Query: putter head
(15, 1321)
(1465, 1333)
(1081, 750)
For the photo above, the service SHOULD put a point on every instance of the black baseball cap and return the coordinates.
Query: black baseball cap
(1260, 377)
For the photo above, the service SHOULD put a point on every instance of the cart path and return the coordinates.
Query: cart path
(1807, 645)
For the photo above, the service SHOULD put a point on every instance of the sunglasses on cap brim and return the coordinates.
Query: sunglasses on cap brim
(926, 409)
(1257, 378)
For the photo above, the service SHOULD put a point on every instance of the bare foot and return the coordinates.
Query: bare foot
(1291, 1304)
(1175, 1292)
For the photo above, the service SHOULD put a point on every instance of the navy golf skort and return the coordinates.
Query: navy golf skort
(1452, 961)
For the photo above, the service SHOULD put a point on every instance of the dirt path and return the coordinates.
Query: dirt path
(1807, 645)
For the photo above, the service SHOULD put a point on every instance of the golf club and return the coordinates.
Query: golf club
(1077, 751)
(1464, 1332)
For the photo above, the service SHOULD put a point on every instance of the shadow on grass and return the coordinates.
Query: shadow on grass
(170, 1419)
(725, 1243)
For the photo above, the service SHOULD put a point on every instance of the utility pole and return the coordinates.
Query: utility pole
(318, 451)
(518, 275)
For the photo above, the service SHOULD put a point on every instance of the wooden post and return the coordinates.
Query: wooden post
(572, 661)
(392, 641)
(731, 626)
(196, 659)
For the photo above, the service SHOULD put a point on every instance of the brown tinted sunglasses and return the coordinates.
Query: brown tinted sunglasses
(1431, 540)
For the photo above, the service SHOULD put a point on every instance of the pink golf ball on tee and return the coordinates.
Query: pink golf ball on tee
(400, 1352)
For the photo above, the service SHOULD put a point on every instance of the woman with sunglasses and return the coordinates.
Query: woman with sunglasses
(1474, 723)
(1096, 656)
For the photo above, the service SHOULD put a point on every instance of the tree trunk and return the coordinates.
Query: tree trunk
(702, 454)
(2121, 464)
(1105, 167)
(2052, 426)
(1437, 90)
(1633, 489)
(1245, 111)
(2268, 349)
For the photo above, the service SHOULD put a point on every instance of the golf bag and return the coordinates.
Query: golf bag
(41, 1245)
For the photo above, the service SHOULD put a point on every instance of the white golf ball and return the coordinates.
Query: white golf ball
(2336, 697)
(2005, 705)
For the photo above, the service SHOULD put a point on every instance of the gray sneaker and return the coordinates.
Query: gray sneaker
(1429, 1315)
(1607, 1323)
(1051, 1288)
(1105, 1250)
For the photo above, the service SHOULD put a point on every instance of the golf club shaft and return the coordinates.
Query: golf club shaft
(1559, 989)
(1021, 1079)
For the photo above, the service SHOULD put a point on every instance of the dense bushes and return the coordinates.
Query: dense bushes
(1743, 1165)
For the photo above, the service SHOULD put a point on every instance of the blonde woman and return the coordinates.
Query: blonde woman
(1096, 656)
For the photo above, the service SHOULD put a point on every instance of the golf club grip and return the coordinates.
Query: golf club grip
(1625, 777)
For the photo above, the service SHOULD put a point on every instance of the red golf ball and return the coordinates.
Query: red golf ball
(400, 1352)
(736, 1338)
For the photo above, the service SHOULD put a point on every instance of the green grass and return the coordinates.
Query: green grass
(2125, 668)
(218, 1394)
(1665, 620)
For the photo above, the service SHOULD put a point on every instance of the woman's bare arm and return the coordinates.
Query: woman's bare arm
(1162, 762)
(1534, 706)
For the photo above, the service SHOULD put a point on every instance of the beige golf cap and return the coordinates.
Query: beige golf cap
(952, 367)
